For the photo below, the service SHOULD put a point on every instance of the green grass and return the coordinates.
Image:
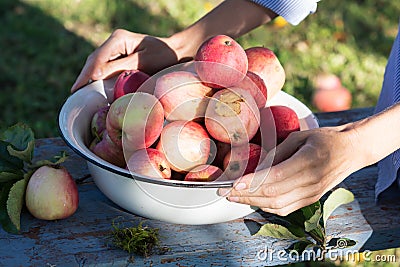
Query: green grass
(44, 45)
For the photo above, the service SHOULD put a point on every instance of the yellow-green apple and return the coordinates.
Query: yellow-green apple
(135, 121)
(221, 62)
(232, 116)
(185, 144)
(98, 123)
(204, 173)
(108, 150)
(263, 62)
(182, 95)
(129, 81)
(256, 86)
(51, 193)
(281, 118)
(244, 159)
(149, 162)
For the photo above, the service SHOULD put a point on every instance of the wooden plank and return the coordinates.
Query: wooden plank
(82, 239)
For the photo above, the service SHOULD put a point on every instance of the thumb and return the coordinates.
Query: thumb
(116, 66)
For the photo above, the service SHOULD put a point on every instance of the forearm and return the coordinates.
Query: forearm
(377, 136)
(232, 17)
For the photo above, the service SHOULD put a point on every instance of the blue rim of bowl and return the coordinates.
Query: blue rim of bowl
(176, 183)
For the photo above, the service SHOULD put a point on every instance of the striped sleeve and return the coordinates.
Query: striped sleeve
(390, 95)
(293, 11)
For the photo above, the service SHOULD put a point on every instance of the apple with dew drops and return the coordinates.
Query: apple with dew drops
(51, 193)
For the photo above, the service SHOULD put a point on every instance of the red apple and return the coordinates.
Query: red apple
(256, 87)
(149, 162)
(108, 150)
(136, 119)
(242, 160)
(51, 194)
(129, 81)
(232, 116)
(98, 123)
(204, 173)
(263, 62)
(185, 144)
(182, 95)
(221, 62)
(284, 120)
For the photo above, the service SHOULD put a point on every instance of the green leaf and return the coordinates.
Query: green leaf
(26, 155)
(56, 160)
(313, 222)
(5, 220)
(21, 140)
(312, 214)
(8, 163)
(11, 176)
(338, 197)
(296, 230)
(277, 231)
(295, 218)
(16, 200)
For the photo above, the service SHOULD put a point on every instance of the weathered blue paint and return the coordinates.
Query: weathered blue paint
(81, 240)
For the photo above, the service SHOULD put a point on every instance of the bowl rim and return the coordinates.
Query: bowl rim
(128, 174)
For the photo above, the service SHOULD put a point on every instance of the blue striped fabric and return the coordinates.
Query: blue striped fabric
(390, 94)
(294, 11)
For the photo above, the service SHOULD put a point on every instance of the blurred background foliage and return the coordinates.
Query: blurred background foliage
(44, 44)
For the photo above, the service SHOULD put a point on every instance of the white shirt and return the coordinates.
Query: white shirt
(294, 11)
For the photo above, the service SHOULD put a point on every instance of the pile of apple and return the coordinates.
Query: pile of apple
(203, 122)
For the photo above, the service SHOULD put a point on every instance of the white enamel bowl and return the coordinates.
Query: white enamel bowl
(167, 200)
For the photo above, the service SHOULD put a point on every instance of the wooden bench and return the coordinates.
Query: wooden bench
(82, 239)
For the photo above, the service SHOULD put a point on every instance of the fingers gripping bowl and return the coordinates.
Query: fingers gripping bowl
(174, 201)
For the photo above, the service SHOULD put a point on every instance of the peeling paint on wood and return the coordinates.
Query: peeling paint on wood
(82, 240)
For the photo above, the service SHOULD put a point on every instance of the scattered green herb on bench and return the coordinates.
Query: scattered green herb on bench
(141, 240)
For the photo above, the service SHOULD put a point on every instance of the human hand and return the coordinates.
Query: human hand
(125, 50)
(305, 166)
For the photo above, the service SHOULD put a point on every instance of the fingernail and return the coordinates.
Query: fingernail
(223, 192)
(233, 199)
(240, 186)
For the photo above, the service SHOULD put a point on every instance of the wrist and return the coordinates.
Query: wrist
(359, 149)
(184, 44)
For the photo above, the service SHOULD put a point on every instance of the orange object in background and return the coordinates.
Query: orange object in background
(330, 95)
